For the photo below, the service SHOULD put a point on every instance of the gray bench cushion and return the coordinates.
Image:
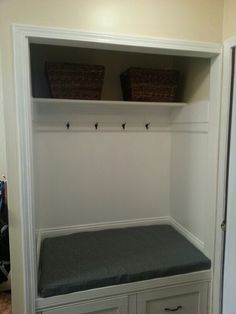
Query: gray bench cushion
(90, 260)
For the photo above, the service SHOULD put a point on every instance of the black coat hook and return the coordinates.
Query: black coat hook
(147, 125)
(124, 125)
(68, 125)
(96, 125)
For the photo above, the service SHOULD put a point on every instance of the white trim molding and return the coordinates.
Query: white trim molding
(23, 35)
(23, 112)
(58, 231)
(187, 234)
(2, 126)
(222, 173)
(116, 41)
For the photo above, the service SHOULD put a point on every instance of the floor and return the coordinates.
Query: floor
(5, 303)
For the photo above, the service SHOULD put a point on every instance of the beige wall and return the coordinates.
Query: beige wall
(2, 131)
(229, 25)
(184, 19)
(191, 19)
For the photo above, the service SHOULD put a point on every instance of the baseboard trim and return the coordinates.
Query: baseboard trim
(187, 234)
(59, 231)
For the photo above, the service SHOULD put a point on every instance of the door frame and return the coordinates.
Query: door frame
(2, 124)
(22, 36)
(228, 47)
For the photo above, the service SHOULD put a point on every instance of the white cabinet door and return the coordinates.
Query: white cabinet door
(109, 306)
(190, 299)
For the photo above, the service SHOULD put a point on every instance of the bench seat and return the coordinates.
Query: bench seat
(87, 260)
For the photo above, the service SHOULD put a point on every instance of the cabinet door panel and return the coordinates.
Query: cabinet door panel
(180, 300)
(186, 304)
(109, 306)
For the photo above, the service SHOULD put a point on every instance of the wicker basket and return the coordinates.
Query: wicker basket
(140, 84)
(75, 81)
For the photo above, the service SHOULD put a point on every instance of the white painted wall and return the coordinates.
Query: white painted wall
(189, 181)
(94, 177)
(189, 196)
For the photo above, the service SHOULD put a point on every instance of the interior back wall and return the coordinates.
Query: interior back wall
(101, 177)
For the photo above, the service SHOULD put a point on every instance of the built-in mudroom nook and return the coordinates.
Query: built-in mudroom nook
(119, 154)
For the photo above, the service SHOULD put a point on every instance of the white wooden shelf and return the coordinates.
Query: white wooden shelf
(105, 103)
(52, 114)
